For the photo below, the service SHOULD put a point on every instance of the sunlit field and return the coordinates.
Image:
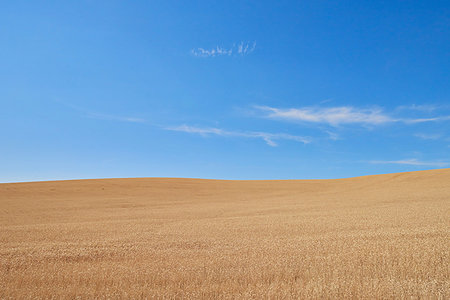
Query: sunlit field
(384, 236)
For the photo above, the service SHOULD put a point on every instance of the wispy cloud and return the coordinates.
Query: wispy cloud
(269, 138)
(341, 115)
(218, 51)
(424, 120)
(101, 116)
(428, 136)
(245, 48)
(115, 118)
(241, 49)
(413, 162)
(419, 107)
(333, 136)
(330, 115)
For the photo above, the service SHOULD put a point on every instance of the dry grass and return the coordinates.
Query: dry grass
(381, 236)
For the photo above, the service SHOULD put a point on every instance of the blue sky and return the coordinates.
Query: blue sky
(227, 90)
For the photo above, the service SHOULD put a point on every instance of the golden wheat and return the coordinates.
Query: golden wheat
(383, 236)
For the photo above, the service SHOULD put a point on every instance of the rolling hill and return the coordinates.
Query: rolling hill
(381, 236)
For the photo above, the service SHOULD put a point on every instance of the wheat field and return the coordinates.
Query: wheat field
(383, 236)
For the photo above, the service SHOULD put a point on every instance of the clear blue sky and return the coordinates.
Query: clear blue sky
(223, 89)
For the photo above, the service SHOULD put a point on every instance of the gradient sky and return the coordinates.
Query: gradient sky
(223, 89)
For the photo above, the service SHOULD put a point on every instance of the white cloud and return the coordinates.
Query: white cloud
(333, 136)
(242, 49)
(218, 51)
(426, 136)
(269, 138)
(333, 116)
(198, 130)
(422, 120)
(101, 116)
(412, 162)
(421, 107)
(245, 48)
(115, 118)
(341, 115)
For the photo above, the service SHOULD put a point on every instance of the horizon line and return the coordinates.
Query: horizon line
(216, 179)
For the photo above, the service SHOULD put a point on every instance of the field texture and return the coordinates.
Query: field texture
(383, 236)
